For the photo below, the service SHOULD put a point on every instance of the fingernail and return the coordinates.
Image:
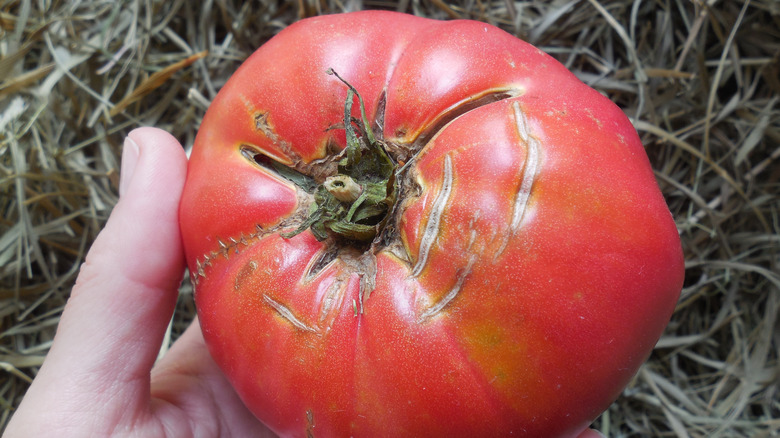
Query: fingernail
(130, 152)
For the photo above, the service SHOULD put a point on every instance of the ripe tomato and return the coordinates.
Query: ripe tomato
(514, 271)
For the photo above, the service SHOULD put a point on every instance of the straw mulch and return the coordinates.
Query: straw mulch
(700, 80)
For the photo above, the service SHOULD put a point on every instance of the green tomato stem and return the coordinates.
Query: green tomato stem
(354, 203)
(343, 187)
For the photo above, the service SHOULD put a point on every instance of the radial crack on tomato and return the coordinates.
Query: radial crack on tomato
(317, 169)
(321, 261)
(261, 124)
(235, 245)
(331, 303)
(225, 248)
(529, 169)
(302, 181)
(460, 279)
(310, 424)
(431, 230)
(456, 110)
(288, 315)
(529, 173)
(379, 118)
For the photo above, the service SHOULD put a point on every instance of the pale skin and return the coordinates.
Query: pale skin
(101, 376)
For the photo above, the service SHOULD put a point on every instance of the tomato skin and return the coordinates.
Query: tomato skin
(533, 270)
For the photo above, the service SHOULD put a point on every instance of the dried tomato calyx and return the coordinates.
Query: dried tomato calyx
(354, 204)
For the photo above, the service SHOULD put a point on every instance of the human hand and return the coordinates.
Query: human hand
(98, 378)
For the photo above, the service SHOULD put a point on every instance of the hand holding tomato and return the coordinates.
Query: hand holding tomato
(97, 379)
(452, 237)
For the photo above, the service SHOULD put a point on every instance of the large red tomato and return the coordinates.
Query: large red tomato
(513, 268)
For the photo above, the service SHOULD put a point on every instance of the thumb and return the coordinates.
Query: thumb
(112, 326)
(127, 287)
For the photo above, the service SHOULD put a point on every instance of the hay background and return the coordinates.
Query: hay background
(700, 80)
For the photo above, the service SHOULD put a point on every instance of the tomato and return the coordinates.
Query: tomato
(514, 271)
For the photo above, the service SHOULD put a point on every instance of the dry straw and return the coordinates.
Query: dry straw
(700, 80)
